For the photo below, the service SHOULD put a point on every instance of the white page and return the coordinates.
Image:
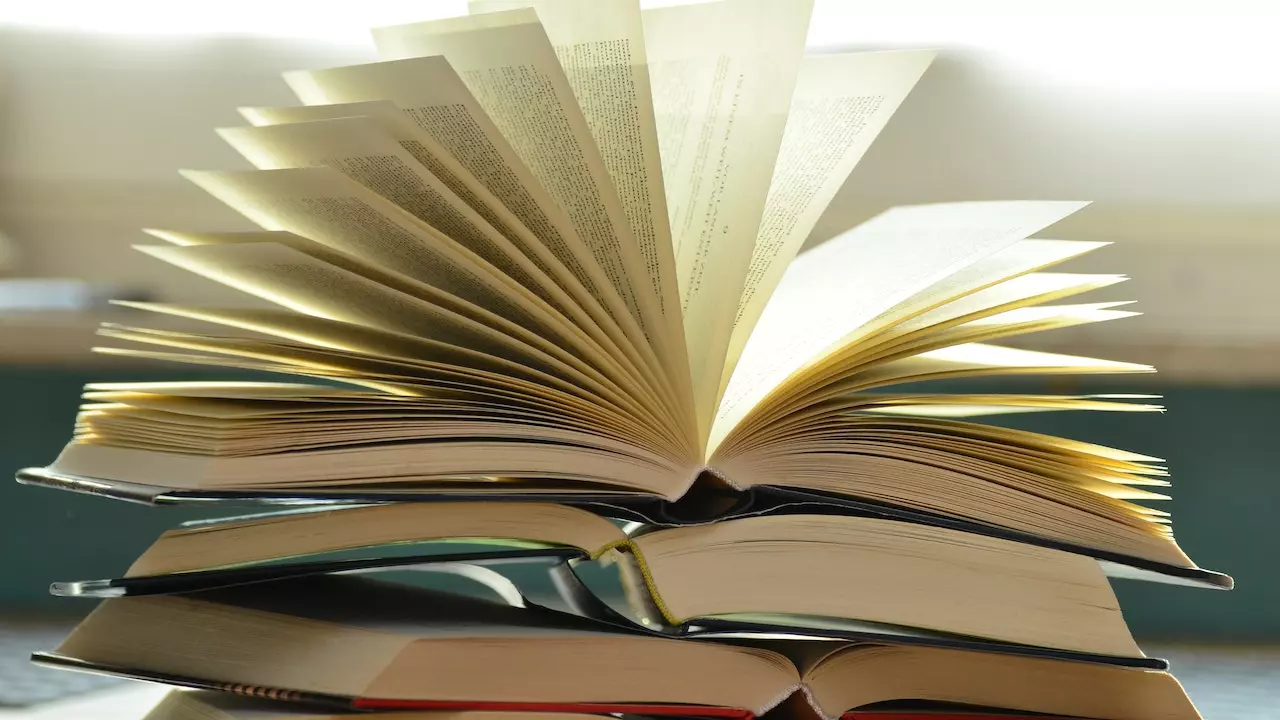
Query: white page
(840, 105)
(509, 65)
(829, 292)
(723, 74)
(600, 44)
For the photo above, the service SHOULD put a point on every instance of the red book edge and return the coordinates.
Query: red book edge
(892, 715)
(659, 710)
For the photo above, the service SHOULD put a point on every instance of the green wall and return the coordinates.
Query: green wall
(1220, 444)
(1221, 447)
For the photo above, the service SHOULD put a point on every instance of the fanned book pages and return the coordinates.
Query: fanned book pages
(550, 251)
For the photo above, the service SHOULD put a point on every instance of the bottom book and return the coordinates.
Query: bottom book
(359, 644)
(205, 705)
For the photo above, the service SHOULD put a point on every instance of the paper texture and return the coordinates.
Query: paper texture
(449, 171)
(720, 102)
(362, 150)
(507, 62)
(841, 103)
(435, 98)
(297, 281)
(832, 290)
(324, 205)
(625, 339)
(600, 44)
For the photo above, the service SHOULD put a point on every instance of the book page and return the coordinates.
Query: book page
(840, 105)
(720, 101)
(430, 371)
(1029, 289)
(992, 327)
(292, 279)
(623, 333)
(600, 44)
(441, 163)
(831, 291)
(435, 98)
(980, 359)
(1018, 260)
(362, 150)
(295, 280)
(593, 370)
(492, 325)
(377, 343)
(507, 62)
(957, 292)
(324, 205)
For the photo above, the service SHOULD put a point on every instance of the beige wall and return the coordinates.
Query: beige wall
(92, 129)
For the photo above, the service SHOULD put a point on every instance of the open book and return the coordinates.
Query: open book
(364, 644)
(529, 256)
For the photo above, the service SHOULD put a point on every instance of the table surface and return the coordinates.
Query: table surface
(125, 702)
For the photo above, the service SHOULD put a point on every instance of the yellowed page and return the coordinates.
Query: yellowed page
(600, 44)
(831, 291)
(993, 327)
(435, 98)
(1011, 295)
(471, 393)
(297, 281)
(362, 150)
(436, 373)
(509, 65)
(971, 359)
(326, 206)
(1037, 287)
(625, 336)
(365, 152)
(969, 291)
(333, 268)
(948, 405)
(840, 105)
(723, 74)
(442, 165)
(331, 334)
(433, 95)
(979, 358)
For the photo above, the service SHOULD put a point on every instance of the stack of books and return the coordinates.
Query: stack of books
(536, 278)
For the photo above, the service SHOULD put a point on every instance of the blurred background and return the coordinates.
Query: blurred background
(1166, 115)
